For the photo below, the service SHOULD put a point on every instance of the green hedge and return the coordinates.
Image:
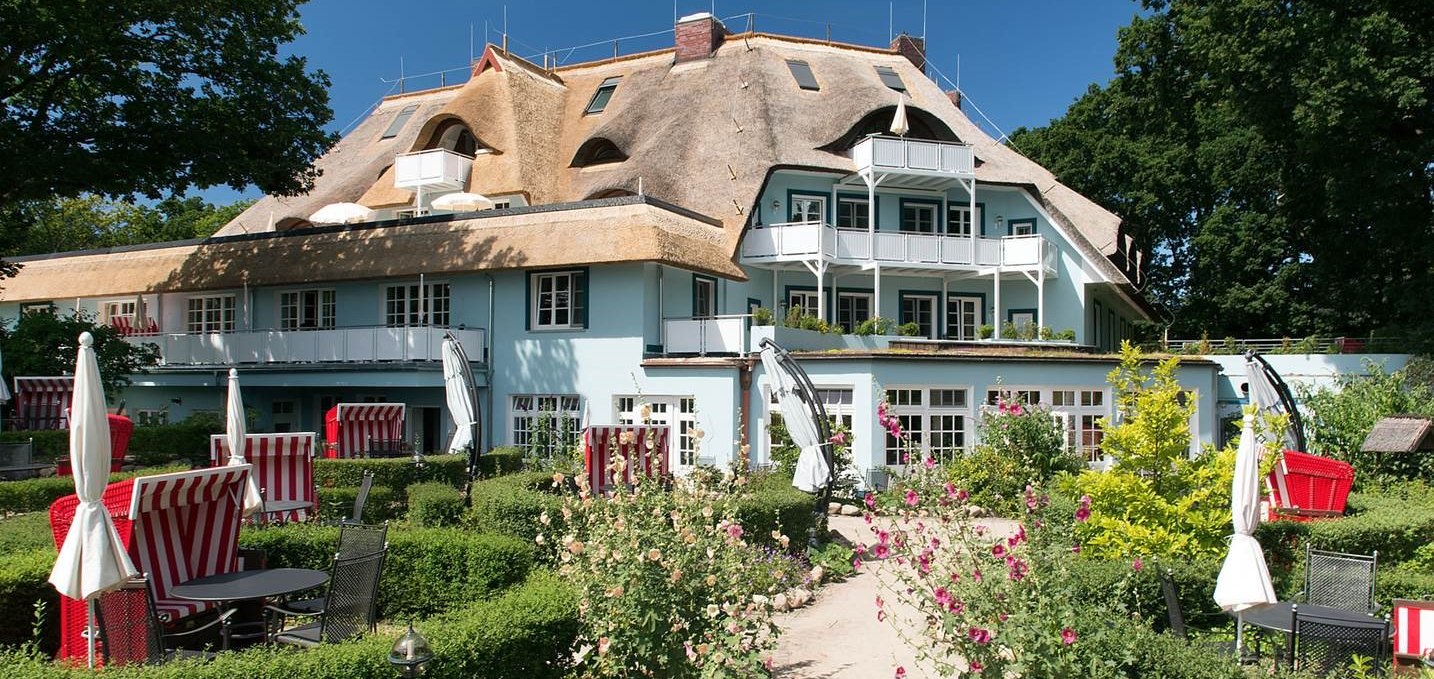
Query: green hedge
(434, 504)
(24, 532)
(335, 504)
(500, 461)
(35, 495)
(528, 632)
(50, 444)
(428, 570)
(510, 505)
(397, 473)
(771, 507)
(24, 582)
(188, 440)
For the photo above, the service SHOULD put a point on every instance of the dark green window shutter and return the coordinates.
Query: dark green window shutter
(527, 303)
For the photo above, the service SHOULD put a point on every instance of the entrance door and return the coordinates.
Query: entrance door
(426, 425)
(963, 317)
(283, 416)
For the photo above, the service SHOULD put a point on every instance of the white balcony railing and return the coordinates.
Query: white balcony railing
(898, 154)
(814, 240)
(703, 336)
(436, 168)
(338, 345)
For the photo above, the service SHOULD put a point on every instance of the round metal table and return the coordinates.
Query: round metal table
(277, 506)
(249, 585)
(1279, 617)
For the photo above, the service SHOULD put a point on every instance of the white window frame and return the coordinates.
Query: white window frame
(151, 416)
(572, 307)
(1079, 407)
(918, 415)
(853, 320)
(860, 213)
(838, 400)
(424, 307)
(677, 413)
(525, 409)
(226, 309)
(819, 198)
(709, 296)
(327, 309)
(810, 301)
(932, 211)
(960, 221)
(112, 309)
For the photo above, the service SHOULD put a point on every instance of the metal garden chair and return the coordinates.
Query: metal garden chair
(349, 609)
(131, 632)
(355, 540)
(1326, 645)
(1340, 580)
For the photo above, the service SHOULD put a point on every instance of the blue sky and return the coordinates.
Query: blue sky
(1021, 62)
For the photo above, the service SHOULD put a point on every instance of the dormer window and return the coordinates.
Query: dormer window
(890, 78)
(802, 73)
(453, 135)
(602, 96)
(597, 151)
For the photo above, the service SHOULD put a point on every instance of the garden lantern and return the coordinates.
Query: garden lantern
(410, 654)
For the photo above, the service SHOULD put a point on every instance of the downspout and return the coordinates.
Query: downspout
(744, 413)
(488, 366)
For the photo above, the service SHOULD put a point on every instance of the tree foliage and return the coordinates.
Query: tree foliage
(149, 97)
(44, 343)
(89, 222)
(1277, 158)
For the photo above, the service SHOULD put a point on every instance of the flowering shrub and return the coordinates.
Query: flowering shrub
(984, 605)
(1029, 435)
(669, 583)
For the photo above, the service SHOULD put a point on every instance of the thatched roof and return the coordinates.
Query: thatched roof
(630, 229)
(1400, 434)
(705, 135)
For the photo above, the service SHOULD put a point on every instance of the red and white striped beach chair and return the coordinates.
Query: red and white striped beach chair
(175, 527)
(351, 427)
(43, 402)
(1413, 630)
(644, 448)
(283, 466)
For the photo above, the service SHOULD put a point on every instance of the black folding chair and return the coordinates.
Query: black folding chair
(349, 609)
(1327, 645)
(1340, 580)
(355, 540)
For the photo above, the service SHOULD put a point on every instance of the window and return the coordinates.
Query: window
(809, 208)
(146, 417)
(677, 412)
(963, 317)
(918, 217)
(37, 308)
(802, 73)
(411, 304)
(597, 151)
(214, 313)
(399, 121)
(113, 311)
(853, 213)
(919, 309)
(1077, 411)
(959, 221)
(545, 424)
(1022, 227)
(602, 96)
(1023, 320)
(282, 416)
(307, 309)
(704, 296)
(853, 308)
(890, 78)
(837, 401)
(806, 300)
(935, 419)
(558, 300)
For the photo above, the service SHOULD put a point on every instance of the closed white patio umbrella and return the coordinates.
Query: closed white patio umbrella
(234, 434)
(458, 387)
(812, 473)
(4, 391)
(1244, 581)
(899, 126)
(92, 558)
(462, 202)
(342, 213)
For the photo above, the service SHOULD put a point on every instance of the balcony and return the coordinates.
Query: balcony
(437, 168)
(914, 163)
(703, 336)
(807, 241)
(295, 347)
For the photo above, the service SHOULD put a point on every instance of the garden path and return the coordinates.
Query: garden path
(839, 636)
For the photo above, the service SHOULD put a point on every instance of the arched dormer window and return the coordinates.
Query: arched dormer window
(597, 151)
(454, 136)
(291, 223)
(610, 193)
(920, 124)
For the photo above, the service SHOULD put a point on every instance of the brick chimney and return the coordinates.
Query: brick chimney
(698, 36)
(914, 49)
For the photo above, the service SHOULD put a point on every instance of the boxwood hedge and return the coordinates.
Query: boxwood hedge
(434, 504)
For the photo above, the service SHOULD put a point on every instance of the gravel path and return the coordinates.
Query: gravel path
(839, 635)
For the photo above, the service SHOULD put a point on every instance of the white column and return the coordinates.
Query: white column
(876, 292)
(1041, 297)
(996, 321)
(871, 217)
(941, 307)
(821, 272)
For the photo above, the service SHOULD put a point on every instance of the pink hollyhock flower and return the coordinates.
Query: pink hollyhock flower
(880, 615)
(998, 550)
(1083, 511)
(734, 531)
(961, 495)
(930, 462)
(900, 672)
(856, 564)
(1016, 410)
(1075, 548)
(881, 551)
(943, 596)
(870, 501)
(1068, 636)
(979, 635)
(976, 575)
(1018, 538)
(924, 562)
(912, 499)
(867, 516)
(977, 667)
(1138, 565)
(1018, 569)
(838, 439)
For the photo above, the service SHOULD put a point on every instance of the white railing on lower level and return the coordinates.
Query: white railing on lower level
(336, 345)
(703, 336)
(803, 240)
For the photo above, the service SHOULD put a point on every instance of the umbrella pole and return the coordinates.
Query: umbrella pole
(92, 629)
(1240, 637)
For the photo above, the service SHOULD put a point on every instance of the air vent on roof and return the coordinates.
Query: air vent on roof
(602, 96)
(890, 78)
(802, 73)
(399, 121)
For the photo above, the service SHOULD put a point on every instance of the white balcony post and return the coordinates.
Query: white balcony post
(821, 289)
(997, 320)
(876, 291)
(1040, 289)
(945, 284)
(870, 216)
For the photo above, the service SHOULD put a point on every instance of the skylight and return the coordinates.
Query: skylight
(602, 96)
(802, 73)
(890, 78)
(399, 121)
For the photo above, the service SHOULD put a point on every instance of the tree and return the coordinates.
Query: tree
(151, 97)
(44, 343)
(1277, 158)
(88, 222)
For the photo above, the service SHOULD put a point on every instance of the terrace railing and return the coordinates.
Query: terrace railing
(371, 344)
(816, 240)
(725, 335)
